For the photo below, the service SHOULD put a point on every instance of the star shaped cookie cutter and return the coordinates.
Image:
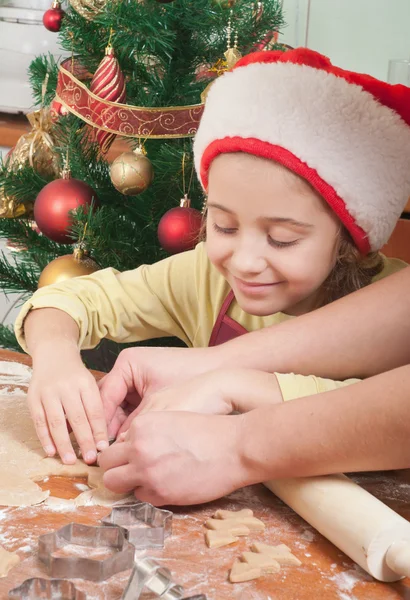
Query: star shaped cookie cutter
(116, 554)
(144, 525)
(149, 575)
(47, 589)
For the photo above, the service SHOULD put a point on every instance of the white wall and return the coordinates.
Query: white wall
(361, 35)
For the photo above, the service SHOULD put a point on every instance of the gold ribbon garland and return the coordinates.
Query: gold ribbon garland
(123, 119)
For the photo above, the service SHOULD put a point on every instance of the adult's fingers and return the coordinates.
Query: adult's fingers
(116, 422)
(144, 494)
(126, 424)
(115, 456)
(57, 425)
(122, 479)
(116, 385)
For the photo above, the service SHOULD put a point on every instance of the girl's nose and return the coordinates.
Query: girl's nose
(248, 258)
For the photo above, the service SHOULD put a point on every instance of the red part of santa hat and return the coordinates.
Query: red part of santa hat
(347, 134)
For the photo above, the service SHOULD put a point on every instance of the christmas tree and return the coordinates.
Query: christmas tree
(136, 70)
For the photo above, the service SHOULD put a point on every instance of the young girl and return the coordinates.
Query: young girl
(306, 171)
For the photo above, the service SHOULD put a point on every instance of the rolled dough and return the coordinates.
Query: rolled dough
(8, 560)
(22, 460)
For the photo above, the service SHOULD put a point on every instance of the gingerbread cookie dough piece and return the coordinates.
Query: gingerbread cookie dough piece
(8, 560)
(261, 561)
(233, 514)
(282, 554)
(217, 539)
(252, 523)
(243, 572)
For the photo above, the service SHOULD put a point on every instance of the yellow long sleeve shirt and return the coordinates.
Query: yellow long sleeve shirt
(180, 296)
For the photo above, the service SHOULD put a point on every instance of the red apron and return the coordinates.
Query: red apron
(225, 327)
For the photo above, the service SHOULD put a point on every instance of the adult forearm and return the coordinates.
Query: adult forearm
(363, 334)
(359, 428)
(50, 330)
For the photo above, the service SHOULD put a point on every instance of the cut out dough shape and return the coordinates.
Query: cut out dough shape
(8, 560)
(217, 539)
(252, 523)
(243, 572)
(282, 554)
(262, 561)
(233, 514)
(21, 452)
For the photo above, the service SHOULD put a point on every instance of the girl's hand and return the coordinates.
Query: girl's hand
(177, 458)
(62, 390)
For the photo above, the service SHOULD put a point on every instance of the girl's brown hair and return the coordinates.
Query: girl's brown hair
(352, 270)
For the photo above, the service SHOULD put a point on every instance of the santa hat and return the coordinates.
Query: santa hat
(346, 133)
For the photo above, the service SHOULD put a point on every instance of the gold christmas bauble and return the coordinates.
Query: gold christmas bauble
(132, 172)
(66, 267)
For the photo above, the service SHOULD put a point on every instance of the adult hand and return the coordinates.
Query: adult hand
(177, 458)
(218, 392)
(139, 372)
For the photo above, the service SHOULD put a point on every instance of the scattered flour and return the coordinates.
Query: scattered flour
(347, 580)
(308, 535)
(13, 373)
(82, 487)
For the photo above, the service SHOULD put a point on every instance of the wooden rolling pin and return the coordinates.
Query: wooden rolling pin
(365, 529)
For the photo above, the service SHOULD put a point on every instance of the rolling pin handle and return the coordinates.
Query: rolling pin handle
(398, 558)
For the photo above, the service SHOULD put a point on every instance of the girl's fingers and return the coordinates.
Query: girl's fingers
(76, 415)
(40, 423)
(95, 413)
(56, 421)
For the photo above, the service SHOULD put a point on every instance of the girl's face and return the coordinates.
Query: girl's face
(270, 234)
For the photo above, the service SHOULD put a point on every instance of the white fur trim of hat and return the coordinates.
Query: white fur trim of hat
(347, 134)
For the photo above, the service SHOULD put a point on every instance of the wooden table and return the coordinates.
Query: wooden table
(326, 573)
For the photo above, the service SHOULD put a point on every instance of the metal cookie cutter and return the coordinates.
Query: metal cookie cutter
(150, 575)
(116, 553)
(46, 589)
(144, 525)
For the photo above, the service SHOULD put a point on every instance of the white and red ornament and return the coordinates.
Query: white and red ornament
(108, 83)
(55, 202)
(179, 228)
(53, 17)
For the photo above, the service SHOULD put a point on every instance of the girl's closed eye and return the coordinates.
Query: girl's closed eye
(279, 244)
(224, 229)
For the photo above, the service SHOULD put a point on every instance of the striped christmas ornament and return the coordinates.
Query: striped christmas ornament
(108, 83)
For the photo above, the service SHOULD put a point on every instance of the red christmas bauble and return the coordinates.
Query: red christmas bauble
(53, 17)
(179, 229)
(54, 203)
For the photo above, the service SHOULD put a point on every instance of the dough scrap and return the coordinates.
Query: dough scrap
(282, 554)
(8, 560)
(21, 452)
(241, 571)
(252, 523)
(233, 514)
(217, 539)
(17, 490)
(262, 561)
